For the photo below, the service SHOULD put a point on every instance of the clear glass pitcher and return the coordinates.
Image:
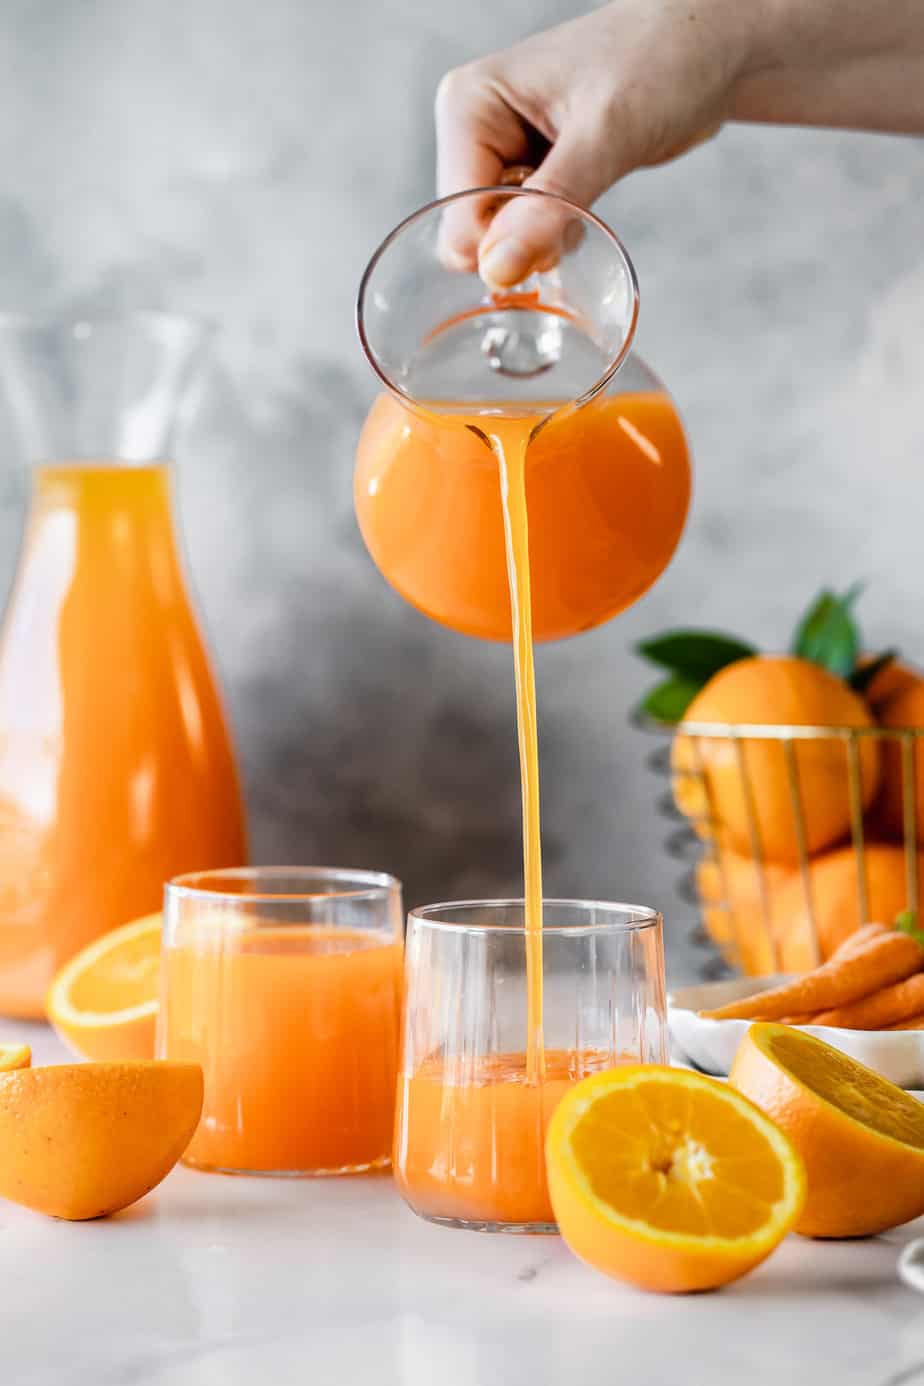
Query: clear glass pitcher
(116, 766)
(608, 474)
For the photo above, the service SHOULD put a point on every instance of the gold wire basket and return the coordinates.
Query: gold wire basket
(756, 930)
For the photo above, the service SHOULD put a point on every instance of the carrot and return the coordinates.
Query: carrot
(883, 1008)
(887, 958)
(807, 1018)
(914, 1022)
(859, 939)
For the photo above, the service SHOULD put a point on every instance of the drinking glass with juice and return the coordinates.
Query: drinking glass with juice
(285, 985)
(116, 764)
(471, 1120)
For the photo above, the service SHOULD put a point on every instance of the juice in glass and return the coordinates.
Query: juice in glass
(294, 1022)
(473, 1145)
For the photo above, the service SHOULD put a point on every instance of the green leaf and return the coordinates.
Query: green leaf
(828, 635)
(907, 923)
(864, 674)
(694, 654)
(670, 699)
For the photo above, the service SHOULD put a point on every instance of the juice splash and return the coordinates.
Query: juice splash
(116, 767)
(296, 1029)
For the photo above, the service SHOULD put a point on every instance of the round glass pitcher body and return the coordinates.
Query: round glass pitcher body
(607, 465)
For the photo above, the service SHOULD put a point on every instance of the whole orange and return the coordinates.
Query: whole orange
(772, 690)
(861, 1138)
(903, 710)
(891, 680)
(740, 904)
(835, 893)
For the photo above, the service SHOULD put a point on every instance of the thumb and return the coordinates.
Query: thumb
(530, 235)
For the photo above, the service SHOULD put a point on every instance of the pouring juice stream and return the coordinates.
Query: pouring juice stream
(509, 438)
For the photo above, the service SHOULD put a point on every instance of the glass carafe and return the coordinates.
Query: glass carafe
(608, 472)
(116, 766)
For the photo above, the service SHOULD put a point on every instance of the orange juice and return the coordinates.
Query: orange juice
(608, 487)
(296, 1029)
(116, 767)
(510, 439)
(472, 1150)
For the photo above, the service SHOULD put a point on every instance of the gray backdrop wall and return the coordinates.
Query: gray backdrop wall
(242, 160)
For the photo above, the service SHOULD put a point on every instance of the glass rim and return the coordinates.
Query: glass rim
(369, 885)
(498, 190)
(634, 918)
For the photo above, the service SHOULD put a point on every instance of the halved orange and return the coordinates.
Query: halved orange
(84, 1140)
(14, 1056)
(103, 1003)
(668, 1179)
(861, 1137)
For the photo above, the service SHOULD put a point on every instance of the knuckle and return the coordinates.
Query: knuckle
(454, 88)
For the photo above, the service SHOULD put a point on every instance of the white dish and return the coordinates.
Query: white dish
(711, 1045)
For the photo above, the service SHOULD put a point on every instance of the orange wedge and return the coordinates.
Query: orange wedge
(861, 1138)
(668, 1179)
(14, 1056)
(83, 1140)
(103, 1003)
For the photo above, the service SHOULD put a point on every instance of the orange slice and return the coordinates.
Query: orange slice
(103, 1003)
(83, 1140)
(669, 1179)
(861, 1137)
(14, 1056)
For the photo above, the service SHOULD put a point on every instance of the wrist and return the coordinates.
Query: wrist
(827, 34)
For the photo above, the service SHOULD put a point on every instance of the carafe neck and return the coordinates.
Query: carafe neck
(108, 387)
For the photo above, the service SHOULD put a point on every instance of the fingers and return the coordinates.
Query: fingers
(477, 136)
(529, 236)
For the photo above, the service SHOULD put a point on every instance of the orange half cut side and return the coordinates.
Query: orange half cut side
(669, 1179)
(103, 1003)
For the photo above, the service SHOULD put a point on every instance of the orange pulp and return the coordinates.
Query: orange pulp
(296, 1029)
(607, 486)
(116, 767)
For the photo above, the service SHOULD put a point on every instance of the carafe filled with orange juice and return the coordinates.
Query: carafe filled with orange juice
(607, 477)
(116, 765)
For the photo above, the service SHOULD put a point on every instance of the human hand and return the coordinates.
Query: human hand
(639, 81)
(633, 83)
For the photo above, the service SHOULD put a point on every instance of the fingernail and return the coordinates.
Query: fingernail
(505, 263)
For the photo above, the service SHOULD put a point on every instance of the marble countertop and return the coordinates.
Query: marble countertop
(214, 1281)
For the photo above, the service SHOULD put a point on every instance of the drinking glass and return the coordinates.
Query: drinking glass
(284, 983)
(471, 1122)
